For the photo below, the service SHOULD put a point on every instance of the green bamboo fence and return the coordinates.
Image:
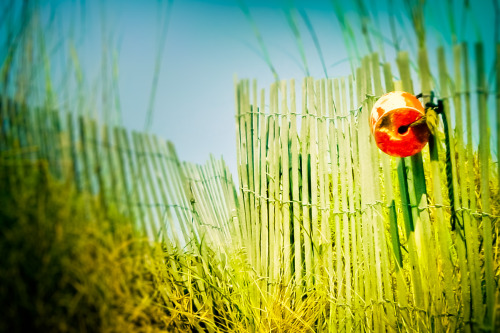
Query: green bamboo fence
(324, 212)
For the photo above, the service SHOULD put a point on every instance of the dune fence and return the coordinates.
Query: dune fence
(382, 243)
(134, 174)
(325, 233)
(184, 214)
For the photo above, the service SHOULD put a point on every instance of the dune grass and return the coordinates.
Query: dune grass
(105, 230)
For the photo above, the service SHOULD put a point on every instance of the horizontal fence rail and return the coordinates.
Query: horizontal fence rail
(323, 211)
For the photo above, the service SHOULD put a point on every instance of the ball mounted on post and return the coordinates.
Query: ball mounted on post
(400, 125)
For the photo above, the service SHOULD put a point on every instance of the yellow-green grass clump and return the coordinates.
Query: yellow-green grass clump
(67, 267)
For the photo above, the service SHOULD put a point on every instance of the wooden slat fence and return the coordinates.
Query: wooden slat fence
(324, 212)
(191, 210)
(135, 174)
(321, 213)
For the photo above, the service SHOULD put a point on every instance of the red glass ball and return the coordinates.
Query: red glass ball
(390, 121)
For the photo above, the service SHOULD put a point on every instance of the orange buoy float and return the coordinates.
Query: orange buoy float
(398, 124)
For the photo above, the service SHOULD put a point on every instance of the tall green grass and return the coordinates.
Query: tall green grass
(106, 230)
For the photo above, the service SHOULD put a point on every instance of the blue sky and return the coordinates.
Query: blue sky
(209, 42)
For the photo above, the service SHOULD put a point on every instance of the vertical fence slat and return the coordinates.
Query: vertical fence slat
(325, 245)
(419, 282)
(296, 213)
(285, 185)
(344, 148)
(334, 203)
(443, 228)
(484, 165)
(264, 202)
(126, 178)
(473, 239)
(373, 204)
(304, 138)
(387, 184)
(401, 296)
(277, 195)
(423, 227)
(313, 171)
(339, 277)
(273, 179)
(462, 201)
